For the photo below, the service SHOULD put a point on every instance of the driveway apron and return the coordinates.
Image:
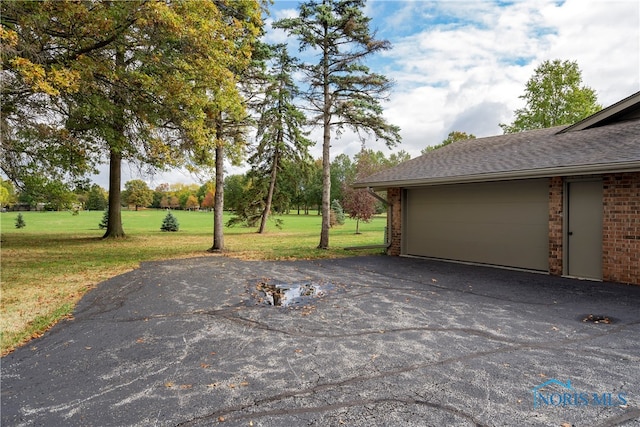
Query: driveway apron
(361, 341)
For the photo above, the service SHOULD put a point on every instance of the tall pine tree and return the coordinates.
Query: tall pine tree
(342, 91)
(280, 124)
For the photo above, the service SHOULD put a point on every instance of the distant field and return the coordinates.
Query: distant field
(47, 266)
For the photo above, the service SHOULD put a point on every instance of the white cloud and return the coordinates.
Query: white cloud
(604, 38)
(466, 66)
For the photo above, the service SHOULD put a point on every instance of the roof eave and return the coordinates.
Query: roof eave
(596, 118)
(632, 166)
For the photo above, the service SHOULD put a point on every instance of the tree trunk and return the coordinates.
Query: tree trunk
(272, 186)
(114, 221)
(357, 225)
(218, 205)
(326, 144)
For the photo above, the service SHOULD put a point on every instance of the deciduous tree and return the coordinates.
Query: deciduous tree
(135, 80)
(207, 202)
(358, 203)
(192, 202)
(53, 194)
(342, 171)
(137, 193)
(96, 198)
(7, 193)
(554, 96)
(453, 136)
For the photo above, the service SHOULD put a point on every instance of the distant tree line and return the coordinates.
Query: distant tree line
(298, 190)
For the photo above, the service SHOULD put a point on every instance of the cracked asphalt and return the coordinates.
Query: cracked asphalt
(394, 341)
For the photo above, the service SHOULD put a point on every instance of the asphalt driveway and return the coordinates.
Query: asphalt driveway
(372, 341)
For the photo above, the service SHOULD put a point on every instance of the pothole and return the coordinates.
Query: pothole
(595, 318)
(288, 294)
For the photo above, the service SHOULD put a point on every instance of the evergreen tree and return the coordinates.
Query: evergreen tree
(280, 137)
(105, 219)
(342, 92)
(170, 223)
(337, 213)
(20, 221)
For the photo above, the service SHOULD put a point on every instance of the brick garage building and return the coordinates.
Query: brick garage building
(563, 200)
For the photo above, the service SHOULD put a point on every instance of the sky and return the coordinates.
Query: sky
(462, 65)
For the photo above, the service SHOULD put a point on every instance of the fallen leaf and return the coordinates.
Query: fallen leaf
(186, 386)
(244, 383)
(140, 340)
(566, 425)
(554, 328)
(213, 385)
(298, 350)
(205, 365)
(87, 348)
(168, 384)
(434, 280)
(221, 419)
(232, 386)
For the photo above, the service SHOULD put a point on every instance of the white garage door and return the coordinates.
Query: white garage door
(501, 223)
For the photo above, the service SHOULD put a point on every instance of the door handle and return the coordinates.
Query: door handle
(571, 233)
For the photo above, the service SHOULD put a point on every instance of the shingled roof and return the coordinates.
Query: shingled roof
(611, 147)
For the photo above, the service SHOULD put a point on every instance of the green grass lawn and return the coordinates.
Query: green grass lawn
(50, 264)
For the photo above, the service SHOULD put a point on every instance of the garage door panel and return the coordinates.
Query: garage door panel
(499, 213)
(492, 246)
(495, 223)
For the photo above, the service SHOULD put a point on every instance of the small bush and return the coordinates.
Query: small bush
(336, 216)
(105, 220)
(170, 223)
(20, 221)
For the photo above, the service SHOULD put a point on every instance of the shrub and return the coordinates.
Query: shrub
(170, 223)
(105, 220)
(20, 221)
(337, 213)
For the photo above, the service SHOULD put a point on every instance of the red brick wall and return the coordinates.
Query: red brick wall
(394, 220)
(555, 225)
(621, 228)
